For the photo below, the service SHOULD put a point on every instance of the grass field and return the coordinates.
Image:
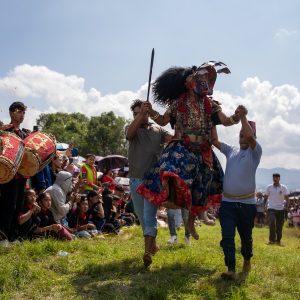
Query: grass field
(112, 268)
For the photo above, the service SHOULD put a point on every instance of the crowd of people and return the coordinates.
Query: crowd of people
(178, 171)
(62, 200)
(291, 210)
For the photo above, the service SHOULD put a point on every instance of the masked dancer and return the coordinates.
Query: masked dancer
(188, 172)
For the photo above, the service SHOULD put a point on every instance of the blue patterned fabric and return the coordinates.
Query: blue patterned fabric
(178, 159)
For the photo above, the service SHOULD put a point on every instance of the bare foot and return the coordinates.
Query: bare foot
(209, 222)
(228, 275)
(191, 226)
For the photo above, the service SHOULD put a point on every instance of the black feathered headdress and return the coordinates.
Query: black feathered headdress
(172, 82)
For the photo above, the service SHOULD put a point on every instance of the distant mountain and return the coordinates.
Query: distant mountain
(288, 177)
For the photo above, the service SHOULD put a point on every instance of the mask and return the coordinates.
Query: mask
(201, 87)
(198, 83)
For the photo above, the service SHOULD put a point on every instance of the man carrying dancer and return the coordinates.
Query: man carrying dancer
(238, 206)
(145, 145)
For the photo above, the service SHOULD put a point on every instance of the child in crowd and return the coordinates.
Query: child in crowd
(46, 225)
(96, 212)
(78, 221)
(27, 218)
(123, 218)
(110, 205)
(88, 174)
(108, 179)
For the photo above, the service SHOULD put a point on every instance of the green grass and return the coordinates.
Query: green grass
(113, 269)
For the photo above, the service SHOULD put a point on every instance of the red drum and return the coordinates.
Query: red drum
(39, 150)
(11, 153)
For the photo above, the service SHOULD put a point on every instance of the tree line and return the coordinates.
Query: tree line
(102, 135)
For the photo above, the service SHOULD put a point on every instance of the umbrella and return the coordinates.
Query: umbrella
(62, 146)
(112, 162)
(78, 161)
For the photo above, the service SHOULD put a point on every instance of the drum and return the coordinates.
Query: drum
(11, 153)
(40, 148)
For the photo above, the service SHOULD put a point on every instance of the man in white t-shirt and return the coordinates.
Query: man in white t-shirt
(276, 193)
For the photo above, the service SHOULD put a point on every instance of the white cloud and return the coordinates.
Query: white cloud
(275, 110)
(44, 90)
(276, 113)
(283, 33)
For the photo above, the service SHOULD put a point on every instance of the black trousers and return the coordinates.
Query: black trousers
(11, 204)
(276, 220)
(240, 216)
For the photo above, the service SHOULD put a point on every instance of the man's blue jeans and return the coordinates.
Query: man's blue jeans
(145, 210)
(241, 216)
(137, 199)
(172, 214)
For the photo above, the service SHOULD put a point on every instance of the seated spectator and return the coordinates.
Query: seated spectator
(95, 212)
(42, 180)
(70, 167)
(46, 226)
(110, 204)
(78, 221)
(27, 218)
(294, 215)
(62, 186)
(65, 162)
(127, 210)
(46, 177)
(107, 177)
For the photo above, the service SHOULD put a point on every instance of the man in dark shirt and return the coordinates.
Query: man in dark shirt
(95, 212)
(12, 192)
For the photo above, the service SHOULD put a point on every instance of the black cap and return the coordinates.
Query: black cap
(17, 105)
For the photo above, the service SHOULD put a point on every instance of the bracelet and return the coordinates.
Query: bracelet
(156, 115)
(232, 121)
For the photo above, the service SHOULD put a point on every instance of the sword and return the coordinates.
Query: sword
(150, 74)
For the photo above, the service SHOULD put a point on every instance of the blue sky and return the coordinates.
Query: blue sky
(93, 56)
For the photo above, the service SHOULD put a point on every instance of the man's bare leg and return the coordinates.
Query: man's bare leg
(191, 226)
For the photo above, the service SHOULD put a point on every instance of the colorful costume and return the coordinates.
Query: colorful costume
(188, 162)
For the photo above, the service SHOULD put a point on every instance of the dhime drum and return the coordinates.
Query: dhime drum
(11, 153)
(39, 150)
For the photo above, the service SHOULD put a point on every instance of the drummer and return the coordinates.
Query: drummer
(12, 192)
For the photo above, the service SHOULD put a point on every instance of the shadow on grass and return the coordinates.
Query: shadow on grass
(226, 288)
(128, 279)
